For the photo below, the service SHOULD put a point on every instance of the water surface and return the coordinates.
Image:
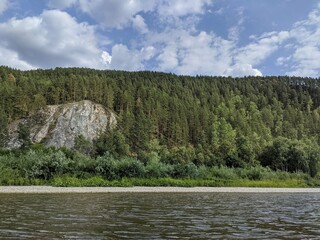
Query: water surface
(160, 216)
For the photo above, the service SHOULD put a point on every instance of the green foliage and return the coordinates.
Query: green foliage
(223, 173)
(181, 155)
(131, 168)
(83, 145)
(66, 181)
(112, 141)
(49, 166)
(292, 155)
(175, 123)
(44, 165)
(106, 166)
(185, 171)
(24, 135)
(156, 169)
(3, 127)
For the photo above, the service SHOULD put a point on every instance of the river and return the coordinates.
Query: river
(160, 216)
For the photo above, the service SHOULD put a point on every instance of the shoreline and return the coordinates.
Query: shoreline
(50, 189)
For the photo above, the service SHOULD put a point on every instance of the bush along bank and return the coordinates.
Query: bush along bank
(66, 168)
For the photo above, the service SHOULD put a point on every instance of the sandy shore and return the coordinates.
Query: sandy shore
(48, 189)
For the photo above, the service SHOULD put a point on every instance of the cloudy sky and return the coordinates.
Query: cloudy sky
(189, 37)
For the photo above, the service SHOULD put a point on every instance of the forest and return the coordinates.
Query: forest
(177, 125)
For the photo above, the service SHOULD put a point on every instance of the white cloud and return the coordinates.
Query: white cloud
(3, 5)
(186, 53)
(120, 13)
(106, 57)
(168, 59)
(46, 44)
(239, 70)
(147, 52)
(171, 41)
(139, 24)
(115, 13)
(180, 8)
(204, 54)
(282, 61)
(254, 53)
(306, 59)
(306, 48)
(234, 32)
(11, 58)
(131, 60)
(179, 48)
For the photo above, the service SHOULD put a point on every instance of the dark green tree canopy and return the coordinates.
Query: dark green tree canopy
(202, 120)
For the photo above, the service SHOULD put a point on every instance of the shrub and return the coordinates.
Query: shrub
(130, 168)
(254, 173)
(223, 173)
(106, 167)
(9, 176)
(44, 165)
(185, 171)
(157, 169)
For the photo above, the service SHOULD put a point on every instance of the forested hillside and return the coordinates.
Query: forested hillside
(207, 121)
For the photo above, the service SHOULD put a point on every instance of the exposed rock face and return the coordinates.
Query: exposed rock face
(59, 125)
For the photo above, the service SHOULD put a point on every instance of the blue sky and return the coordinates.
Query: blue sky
(188, 37)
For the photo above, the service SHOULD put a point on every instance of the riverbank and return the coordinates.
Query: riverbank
(50, 189)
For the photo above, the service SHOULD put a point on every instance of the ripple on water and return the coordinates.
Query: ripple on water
(160, 216)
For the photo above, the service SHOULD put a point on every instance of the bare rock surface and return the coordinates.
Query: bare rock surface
(59, 125)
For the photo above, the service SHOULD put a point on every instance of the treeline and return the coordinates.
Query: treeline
(206, 121)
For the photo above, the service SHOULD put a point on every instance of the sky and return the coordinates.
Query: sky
(186, 37)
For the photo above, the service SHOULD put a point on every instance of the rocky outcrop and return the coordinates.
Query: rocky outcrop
(59, 125)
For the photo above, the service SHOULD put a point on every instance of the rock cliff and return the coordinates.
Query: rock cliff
(59, 125)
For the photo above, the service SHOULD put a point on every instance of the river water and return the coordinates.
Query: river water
(160, 216)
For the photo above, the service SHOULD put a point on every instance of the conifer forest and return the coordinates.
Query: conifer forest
(168, 125)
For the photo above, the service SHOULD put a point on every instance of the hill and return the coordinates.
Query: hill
(210, 121)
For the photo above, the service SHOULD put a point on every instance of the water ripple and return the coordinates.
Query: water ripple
(160, 216)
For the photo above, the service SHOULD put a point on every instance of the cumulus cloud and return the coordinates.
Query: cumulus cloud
(3, 5)
(307, 61)
(176, 44)
(115, 13)
(180, 8)
(168, 59)
(106, 57)
(239, 70)
(261, 48)
(306, 48)
(139, 24)
(131, 60)
(301, 45)
(188, 53)
(11, 58)
(180, 49)
(46, 44)
(120, 13)
(204, 54)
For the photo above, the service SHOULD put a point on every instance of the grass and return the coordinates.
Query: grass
(66, 181)
(96, 181)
